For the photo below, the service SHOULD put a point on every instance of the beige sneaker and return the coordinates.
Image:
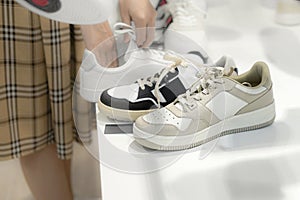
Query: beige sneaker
(215, 106)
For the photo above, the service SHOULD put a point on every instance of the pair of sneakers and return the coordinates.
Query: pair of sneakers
(185, 106)
(182, 99)
(134, 63)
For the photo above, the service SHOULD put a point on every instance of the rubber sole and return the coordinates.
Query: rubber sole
(119, 114)
(175, 143)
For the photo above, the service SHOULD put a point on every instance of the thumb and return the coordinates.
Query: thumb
(125, 17)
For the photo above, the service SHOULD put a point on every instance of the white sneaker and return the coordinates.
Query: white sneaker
(187, 27)
(138, 63)
(215, 106)
(128, 102)
(288, 12)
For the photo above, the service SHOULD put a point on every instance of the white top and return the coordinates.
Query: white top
(76, 11)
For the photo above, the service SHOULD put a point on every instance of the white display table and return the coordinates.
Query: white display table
(261, 165)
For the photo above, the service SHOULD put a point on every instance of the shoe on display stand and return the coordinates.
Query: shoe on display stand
(128, 102)
(216, 105)
(71, 11)
(288, 12)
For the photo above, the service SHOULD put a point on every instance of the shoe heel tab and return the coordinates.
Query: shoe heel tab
(89, 60)
(262, 70)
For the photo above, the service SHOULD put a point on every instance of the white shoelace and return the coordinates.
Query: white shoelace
(185, 11)
(158, 77)
(207, 81)
(122, 29)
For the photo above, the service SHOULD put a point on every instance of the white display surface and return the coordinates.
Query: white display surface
(261, 164)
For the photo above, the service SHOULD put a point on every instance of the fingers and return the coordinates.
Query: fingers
(145, 31)
(112, 55)
(141, 33)
(150, 34)
(106, 53)
(145, 28)
(143, 15)
(125, 17)
(110, 51)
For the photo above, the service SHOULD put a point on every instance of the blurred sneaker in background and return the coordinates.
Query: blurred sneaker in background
(288, 12)
(186, 32)
(163, 20)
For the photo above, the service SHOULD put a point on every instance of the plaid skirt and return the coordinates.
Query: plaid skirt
(39, 59)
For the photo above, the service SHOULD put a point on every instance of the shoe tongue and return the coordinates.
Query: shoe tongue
(228, 64)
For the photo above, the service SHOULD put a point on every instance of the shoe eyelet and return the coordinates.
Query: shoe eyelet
(192, 106)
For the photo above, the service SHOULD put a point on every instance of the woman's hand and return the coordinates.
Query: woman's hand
(142, 13)
(102, 34)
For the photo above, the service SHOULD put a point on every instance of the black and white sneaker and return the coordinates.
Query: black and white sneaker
(128, 102)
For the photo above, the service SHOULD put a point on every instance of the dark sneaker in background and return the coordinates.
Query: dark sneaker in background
(49, 6)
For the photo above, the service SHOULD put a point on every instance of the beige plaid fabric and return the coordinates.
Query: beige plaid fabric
(38, 63)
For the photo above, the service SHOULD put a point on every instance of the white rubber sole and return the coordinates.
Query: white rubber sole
(119, 114)
(240, 123)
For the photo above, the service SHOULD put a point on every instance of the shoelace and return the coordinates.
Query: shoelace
(121, 28)
(158, 77)
(207, 81)
(185, 11)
